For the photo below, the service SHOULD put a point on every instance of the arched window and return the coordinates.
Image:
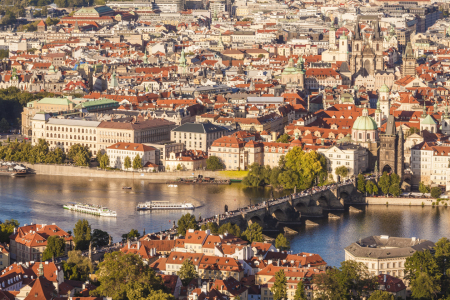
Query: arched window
(368, 136)
(357, 47)
(360, 136)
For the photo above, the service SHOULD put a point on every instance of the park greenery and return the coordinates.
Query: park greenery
(137, 162)
(25, 152)
(133, 234)
(13, 100)
(285, 138)
(6, 229)
(297, 169)
(126, 277)
(253, 233)
(80, 155)
(338, 283)
(213, 163)
(185, 223)
(77, 267)
(427, 274)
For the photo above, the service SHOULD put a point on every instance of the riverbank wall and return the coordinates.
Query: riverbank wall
(161, 177)
(403, 201)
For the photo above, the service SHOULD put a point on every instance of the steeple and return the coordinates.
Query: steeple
(424, 111)
(357, 33)
(400, 156)
(145, 57)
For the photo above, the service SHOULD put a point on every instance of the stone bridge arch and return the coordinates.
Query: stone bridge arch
(343, 197)
(323, 200)
(280, 215)
(256, 219)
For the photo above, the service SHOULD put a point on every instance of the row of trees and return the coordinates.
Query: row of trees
(435, 191)
(103, 161)
(25, 152)
(388, 184)
(297, 169)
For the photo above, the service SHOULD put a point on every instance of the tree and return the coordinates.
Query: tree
(77, 267)
(179, 167)
(99, 238)
(55, 247)
(285, 138)
(230, 228)
(423, 188)
(282, 243)
(361, 183)
(4, 125)
(133, 234)
(80, 155)
(212, 226)
(6, 229)
(125, 277)
(337, 282)
(213, 163)
(423, 274)
(127, 163)
(436, 192)
(104, 161)
(384, 183)
(375, 189)
(395, 188)
(187, 272)
(186, 222)
(137, 162)
(253, 233)
(279, 288)
(341, 171)
(82, 235)
(381, 295)
(300, 291)
(44, 11)
(369, 186)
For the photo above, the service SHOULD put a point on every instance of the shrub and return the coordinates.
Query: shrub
(423, 204)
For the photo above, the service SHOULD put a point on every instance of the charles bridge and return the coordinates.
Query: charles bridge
(290, 208)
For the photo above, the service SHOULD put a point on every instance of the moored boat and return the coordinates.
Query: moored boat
(96, 210)
(163, 205)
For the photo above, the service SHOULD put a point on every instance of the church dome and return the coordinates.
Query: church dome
(384, 89)
(365, 123)
(290, 69)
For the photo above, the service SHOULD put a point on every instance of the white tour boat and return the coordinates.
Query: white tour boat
(91, 209)
(163, 205)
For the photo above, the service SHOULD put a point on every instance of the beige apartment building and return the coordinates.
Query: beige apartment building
(63, 133)
(138, 130)
(384, 254)
(119, 151)
(197, 136)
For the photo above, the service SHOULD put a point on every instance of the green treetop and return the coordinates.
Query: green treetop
(187, 272)
(279, 288)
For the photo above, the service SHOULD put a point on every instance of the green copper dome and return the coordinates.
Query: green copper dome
(290, 69)
(343, 37)
(365, 123)
(384, 89)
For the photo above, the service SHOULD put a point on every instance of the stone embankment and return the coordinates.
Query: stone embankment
(404, 201)
(160, 177)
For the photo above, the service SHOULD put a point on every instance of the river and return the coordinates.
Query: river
(39, 199)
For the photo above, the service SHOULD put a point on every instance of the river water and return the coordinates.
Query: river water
(39, 199)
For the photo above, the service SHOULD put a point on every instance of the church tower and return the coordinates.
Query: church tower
(357, 48)
(409, 61)
(445, 122)
(383, 99)
(332, 37)
(378, 115)
(391, 156)
(343, 44)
